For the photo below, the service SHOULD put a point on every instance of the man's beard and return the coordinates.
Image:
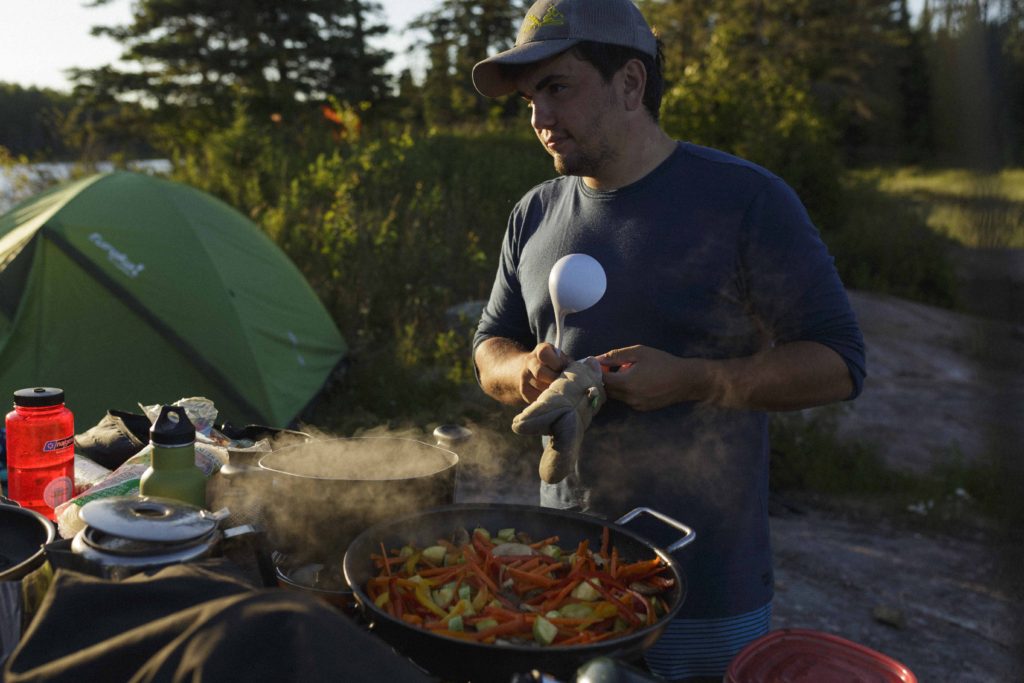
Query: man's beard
(582, 163)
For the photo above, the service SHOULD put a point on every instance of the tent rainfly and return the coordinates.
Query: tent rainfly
(123, 288)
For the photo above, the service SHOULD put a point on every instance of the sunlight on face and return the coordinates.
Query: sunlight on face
(574, 114)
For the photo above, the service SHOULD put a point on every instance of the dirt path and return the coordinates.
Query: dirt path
(935, 603)
(941, 385)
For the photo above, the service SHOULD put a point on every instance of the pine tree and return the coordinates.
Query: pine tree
(204, 57)
(461, 33)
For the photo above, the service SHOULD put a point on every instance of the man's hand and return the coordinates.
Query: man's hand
(515, 375)
(542, 366)
(647, 379)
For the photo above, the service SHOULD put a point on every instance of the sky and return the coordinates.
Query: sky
(39, 39)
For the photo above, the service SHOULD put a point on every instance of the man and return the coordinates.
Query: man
(722, 303)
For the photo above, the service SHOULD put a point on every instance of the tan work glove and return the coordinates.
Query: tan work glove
(564, 410)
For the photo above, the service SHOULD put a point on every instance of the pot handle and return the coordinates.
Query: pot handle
(689, 537)
(249, 542)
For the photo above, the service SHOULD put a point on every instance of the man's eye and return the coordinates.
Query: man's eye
(555, 88)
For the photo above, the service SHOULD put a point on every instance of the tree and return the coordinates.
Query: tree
(27, 117)
(199, 58)
(462, 33)
(844, 56)
(976, 58)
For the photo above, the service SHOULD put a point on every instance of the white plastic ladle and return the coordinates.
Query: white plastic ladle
(576, 282)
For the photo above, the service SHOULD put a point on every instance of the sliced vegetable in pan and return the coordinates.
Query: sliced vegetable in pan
(507, 588)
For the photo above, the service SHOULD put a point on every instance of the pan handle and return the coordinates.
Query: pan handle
(689, 537)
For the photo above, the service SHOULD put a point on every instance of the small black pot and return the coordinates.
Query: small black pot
(23, 533)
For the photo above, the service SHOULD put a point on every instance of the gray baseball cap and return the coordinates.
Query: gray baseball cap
(553, 26)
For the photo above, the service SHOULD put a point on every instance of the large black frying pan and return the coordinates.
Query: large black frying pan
(459, 660)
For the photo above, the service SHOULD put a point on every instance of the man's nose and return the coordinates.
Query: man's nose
(541, 116)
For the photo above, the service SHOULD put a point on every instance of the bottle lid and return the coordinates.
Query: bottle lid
(172, 428)
(38, 397)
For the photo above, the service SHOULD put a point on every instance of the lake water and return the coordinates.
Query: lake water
(23, 180)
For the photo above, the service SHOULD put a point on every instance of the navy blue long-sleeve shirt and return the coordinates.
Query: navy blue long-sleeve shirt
(707, 256)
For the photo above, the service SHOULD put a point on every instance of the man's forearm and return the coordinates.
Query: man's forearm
(791, 376)
(787, 377)
(499, 362)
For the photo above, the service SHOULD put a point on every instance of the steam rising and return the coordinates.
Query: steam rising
(337, 487)
(313, 496)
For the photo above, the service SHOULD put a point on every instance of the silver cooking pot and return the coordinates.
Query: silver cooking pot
(125, 535)
(315, 497)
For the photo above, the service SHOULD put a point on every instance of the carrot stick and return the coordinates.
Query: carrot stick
(475, 568)
(482, 545)
(501, 614)
(605, 542)
(559, 597)
(637, 570)
(648, 609)
(443, 574)
(544, 569)
(582, 550)
(588, 637)
(528, 565)
(395, 602)
(624, 610)
(531, 579)
(550, 540)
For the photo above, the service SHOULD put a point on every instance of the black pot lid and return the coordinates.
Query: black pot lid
(147, 518)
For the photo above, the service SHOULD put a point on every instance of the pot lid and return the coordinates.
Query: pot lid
(147, 518)
(807, 656)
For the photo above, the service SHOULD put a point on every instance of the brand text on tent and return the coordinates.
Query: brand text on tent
(118, 258)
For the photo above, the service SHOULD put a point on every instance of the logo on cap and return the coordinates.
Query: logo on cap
(551, 18)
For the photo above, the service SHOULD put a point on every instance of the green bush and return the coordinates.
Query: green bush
(884, 245)
(808, 455)
(391, 229)
(766, 116)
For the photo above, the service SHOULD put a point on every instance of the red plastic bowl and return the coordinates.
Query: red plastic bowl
(794, 655)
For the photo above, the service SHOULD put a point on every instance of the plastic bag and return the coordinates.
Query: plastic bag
(124, 481)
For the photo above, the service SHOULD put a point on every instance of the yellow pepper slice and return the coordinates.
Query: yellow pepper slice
(423, 597)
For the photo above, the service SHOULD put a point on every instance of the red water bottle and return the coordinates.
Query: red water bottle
(40, 450)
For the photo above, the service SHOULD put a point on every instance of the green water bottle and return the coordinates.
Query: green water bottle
(172, 472)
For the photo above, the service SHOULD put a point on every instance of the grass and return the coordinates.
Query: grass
(883, 244)
(809, 457)
(973, 208)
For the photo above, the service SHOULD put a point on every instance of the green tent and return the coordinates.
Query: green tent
(123, 288)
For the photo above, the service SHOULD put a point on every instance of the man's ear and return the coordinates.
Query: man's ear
(634, 81)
